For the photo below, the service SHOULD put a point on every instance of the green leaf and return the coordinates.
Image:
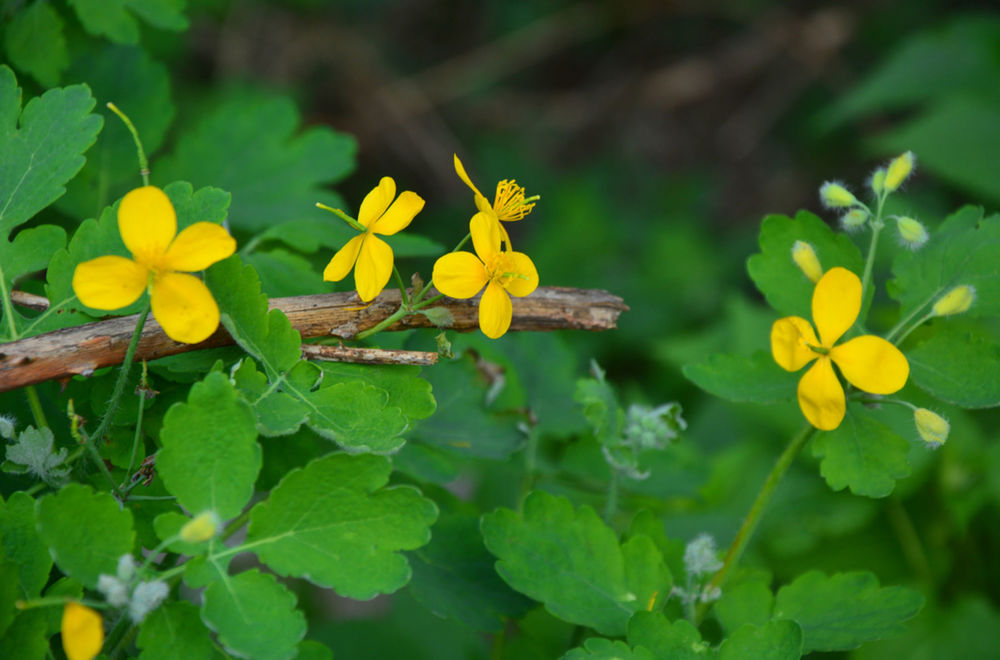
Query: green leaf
(9, 593)
(86, 532)
(462, 424)
(842, 611)
(310, 650)
(174, 630)
(774, 640)
(35, 43)
(30, 251)
(164, 14)
(959, 364)
(22, 544)
(745, 603)
(862, 453)
(600, 407)
(453, 577)
(251, 145)
(27, 637)
(354, 414)
(956, 139)
(277, 413)
(283, 273)
(598, 648)
(335, 524)
(110, 18)
(140, 86)
(670, 641)
(755, 379)
(254, 616)
(786, 288)
(963, 250)
(407, 390)
(328, 231)
(42, 146)
(210, 456)
(573, 563)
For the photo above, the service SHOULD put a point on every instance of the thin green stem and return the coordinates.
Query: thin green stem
(94, 440)
(49, 601)
(908, 538)
(116, 635)
(402, 287)
(909, 317)
(143, 163)
(757, 509)
(906, 333)
(499, 639)
(236, 524)
(8, 307)
(36, 407)
(137, 438)
(877, 226)
(530, 461)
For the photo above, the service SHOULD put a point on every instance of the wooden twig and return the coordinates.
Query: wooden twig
(359, 355)
(83, 349)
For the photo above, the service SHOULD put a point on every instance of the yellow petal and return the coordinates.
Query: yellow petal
(198, 247)
(525, 278)
(821, 397)
(495, 311)
(485, 230)
(109, 282)
(82, 632)
(184, 307)
(790, 340)
(400, 214)
(147, 223)
(460, 171)
(343, 261)
(872, 364)
(459, 275)
(836, 302)
(377, 201)
(374, 268)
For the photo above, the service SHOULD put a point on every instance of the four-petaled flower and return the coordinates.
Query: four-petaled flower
(502, 272)
(870, 363)
(509, 203)
(160, 260)
(369, 255)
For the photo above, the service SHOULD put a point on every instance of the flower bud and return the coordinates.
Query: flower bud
(126, 568)
(911, 232)
(835, 196)
(898, 170)
(82, 632)
(805, 258)
(700, 556)
(854, 219)
(114, 590)
(146, 597)
(956, 301)
(932, 427)
(877, 182)
(7, 427)
(200, 528)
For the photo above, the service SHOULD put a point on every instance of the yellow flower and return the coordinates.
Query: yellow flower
(868, 362)
(463, 275)
(82, 632)
(160, 260)
(509, 203)
(369, 255)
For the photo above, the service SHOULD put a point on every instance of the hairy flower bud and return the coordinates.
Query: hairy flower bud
(956, 301)
(200, 528)
(898, 170)
(877, 182)
(911, 232)
(146, 597)
(805, 258)
(835, 196)
(932, 427)
(700, 555)
(854, 219)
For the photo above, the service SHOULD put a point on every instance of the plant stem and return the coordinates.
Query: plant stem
(877, 226)
(144, 384)
(93, 440)
(143, 163)
(402, 287)
(36, 407)
(906, 333)
(757, 509)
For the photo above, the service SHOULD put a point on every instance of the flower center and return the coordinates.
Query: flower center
(500, 269)
(510, 203)
(819, 349)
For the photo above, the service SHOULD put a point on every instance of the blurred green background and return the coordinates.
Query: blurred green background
(658, 134)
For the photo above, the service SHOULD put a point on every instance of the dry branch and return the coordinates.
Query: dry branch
(85, 348)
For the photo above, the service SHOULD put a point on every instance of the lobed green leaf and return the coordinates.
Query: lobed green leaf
(862, 453)
(959, 364)
(756, 379)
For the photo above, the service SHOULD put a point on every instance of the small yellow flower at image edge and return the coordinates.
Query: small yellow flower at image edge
(502, 272)
(509, 203)
(870, 363)
(371, 257)
(161, 260)
(82, 632)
